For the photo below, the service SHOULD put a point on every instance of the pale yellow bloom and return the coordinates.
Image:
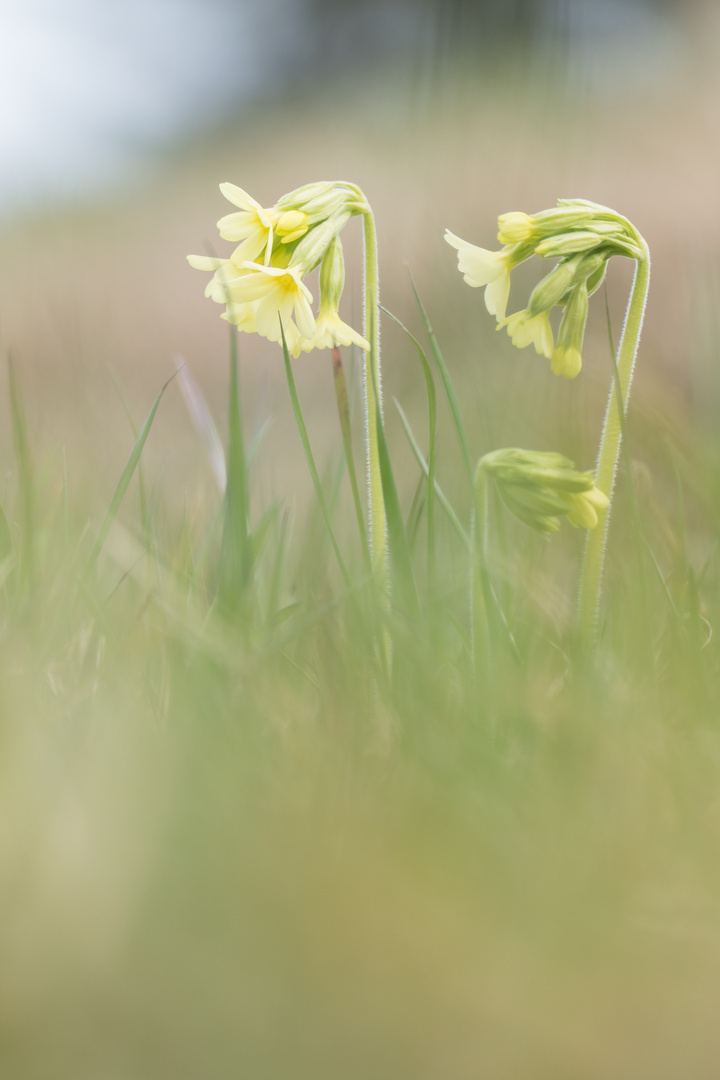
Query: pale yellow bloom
(219, 288)
(332, 331)
(525, 329)
(481, 267)
(252, 224)
(242, 316)
(280, 294)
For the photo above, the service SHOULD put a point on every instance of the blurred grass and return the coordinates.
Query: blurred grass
(235, 847)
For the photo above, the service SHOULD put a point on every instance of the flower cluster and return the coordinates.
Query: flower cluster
(541, 487)
(261, 283)
(583, 236)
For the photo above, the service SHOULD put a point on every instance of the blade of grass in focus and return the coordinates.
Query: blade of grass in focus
(302, 431)
(447, 383)
(432, 440)
(125, 478)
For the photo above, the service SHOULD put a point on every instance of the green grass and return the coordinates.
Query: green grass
(237, 842)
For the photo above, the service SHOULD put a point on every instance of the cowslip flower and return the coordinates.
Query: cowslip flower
(540, 488)
(330, 330)
(251, 224)
(526, 329)
(481, 267)
(583, 235)
(280, 294)
(261, 281)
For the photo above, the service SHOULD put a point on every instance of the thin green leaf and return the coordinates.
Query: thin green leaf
(441, 496)
(125, 478)
(432, 442)
(400, 558)
(343, 405)
(447, 383)
(302, 430)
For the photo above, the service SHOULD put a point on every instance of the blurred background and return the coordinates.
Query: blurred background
(348, 924)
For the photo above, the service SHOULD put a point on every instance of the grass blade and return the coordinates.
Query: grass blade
(125, 478)
(343, 404)
(432, 441)
(447, 383)
(302, 430)
(441, 496)
(400, 558)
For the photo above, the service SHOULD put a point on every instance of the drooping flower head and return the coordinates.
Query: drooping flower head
(261, 281)
(540, 488)
(583, 235)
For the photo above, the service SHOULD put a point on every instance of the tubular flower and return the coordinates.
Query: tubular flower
(540, 488)
(261, 282)
(280, 294)
(526, 329)
(489, 268)
(330, 329)
(252, 224)
(583, 236)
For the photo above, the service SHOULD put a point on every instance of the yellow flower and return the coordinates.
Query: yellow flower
(525, 329)
(332, 331)
(253, 225)
(482, 267)
(280, 294)
(242, 316)
(220, 284)
(585, 506)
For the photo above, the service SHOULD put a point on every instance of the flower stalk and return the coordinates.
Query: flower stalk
(372, 390)
(609, 452)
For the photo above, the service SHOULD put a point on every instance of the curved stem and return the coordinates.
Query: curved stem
(377, 522)
(593, 564)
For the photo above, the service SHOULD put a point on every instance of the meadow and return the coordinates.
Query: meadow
(264, 816)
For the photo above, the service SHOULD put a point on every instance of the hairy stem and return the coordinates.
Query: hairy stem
(593, 564)
(377, 522)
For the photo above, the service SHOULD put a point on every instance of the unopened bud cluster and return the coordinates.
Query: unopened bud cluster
(583, 236)
(261, 283)
(540, 488)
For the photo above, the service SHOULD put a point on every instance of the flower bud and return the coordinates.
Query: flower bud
(540, 488)
(568, 243)
(515, 228)
(566, 359)
(553, 286)
(313, 245)
(291, 225)
(332, 275)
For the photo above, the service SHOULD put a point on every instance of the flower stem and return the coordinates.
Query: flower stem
(593, 564)
(377, 521)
